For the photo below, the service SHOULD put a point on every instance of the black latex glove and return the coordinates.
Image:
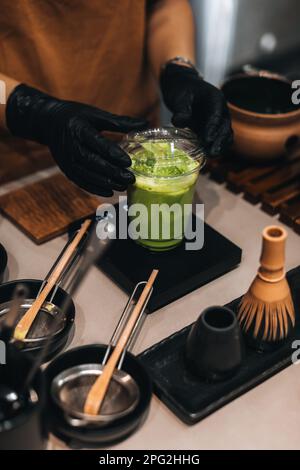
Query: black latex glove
(71, 131)
(198, 105)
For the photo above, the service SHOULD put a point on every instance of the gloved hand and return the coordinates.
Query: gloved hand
(71, 130)
(198, 105)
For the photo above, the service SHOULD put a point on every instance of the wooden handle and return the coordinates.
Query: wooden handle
(97, 392)
(272, 258)
(27, 320)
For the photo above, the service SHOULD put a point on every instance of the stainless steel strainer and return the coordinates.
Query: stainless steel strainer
(70, 388)
(51, 319)
(48, 317)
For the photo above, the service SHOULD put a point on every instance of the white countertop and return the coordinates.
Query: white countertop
(267, 417)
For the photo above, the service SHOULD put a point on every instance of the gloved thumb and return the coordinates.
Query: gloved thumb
(128, 124)
(182, 117)
(106, 121)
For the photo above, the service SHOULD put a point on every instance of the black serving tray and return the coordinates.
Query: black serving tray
(180, 271)
(192, 399)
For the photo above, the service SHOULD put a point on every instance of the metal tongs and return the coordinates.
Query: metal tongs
(54, 279)
(70, 387)
(120, 325)
(94, 249)
(99, 389)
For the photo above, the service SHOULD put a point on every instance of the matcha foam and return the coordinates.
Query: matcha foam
(162, 159)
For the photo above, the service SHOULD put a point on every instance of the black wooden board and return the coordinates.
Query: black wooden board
(192, 399)
(180, 271)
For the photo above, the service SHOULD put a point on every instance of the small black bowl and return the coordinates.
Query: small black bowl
(118, 430)
(3, 261)
(214, 346)
(24, 429)
(60, 339)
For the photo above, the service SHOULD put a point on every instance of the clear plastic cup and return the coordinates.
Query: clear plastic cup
(166, 163)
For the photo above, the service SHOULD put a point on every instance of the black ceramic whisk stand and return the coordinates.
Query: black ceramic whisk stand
(214, 348)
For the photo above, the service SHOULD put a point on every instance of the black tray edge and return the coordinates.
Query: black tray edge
(194, 418)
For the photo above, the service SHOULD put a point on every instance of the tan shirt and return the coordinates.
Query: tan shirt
(91, 51)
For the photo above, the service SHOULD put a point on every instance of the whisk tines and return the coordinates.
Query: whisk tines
(274, 317)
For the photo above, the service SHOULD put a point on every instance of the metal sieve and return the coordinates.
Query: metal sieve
(51, 319)
(42, 327)
(70, 389)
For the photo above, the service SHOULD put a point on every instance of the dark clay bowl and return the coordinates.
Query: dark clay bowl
(3, 261)
(113, 432)
(24, 429)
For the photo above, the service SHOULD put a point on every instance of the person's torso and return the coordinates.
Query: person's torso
(90, 51)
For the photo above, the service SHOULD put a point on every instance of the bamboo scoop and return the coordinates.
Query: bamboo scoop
(27, 320)
(98, 391)
(266, 311)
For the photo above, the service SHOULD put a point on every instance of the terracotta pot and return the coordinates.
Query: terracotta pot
(266, 124)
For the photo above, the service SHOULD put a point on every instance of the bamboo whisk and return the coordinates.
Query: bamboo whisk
(266, 311)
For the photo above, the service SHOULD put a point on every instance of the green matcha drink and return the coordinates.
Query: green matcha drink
(166, 172)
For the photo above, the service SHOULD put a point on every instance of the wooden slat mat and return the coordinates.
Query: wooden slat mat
(275, 186)
(47, 208)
